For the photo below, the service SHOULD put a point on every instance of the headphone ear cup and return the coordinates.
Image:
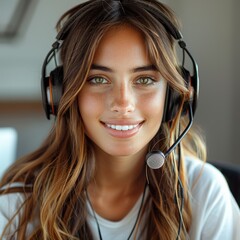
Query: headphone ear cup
(45, 99)
(173, 99)
(172, 103)
(52, 91)
(56, 78)
(187, 80)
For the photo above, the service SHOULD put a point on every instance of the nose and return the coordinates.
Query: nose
(123, 99)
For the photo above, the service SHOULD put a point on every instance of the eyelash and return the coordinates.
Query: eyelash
(152, 81)
(97, 80)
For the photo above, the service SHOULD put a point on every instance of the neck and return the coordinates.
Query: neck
(119, 172)
(117, 184)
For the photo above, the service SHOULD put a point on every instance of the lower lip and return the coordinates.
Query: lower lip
(123, 134)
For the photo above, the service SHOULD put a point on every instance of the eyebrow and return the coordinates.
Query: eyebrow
(134, 70)
(102, 68)
(145, 68)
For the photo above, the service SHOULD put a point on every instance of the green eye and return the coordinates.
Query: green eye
(98, 80)
(145, 81)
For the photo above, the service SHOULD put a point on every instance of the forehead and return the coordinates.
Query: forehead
(121, 43)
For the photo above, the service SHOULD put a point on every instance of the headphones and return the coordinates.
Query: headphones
(52, 88)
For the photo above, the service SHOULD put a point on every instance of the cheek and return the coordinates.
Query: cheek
(89, 105)
(153, 105)
(90, 109)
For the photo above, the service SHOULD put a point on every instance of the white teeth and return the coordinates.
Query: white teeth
(122, 127)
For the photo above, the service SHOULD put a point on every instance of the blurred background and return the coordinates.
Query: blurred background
(210, 29)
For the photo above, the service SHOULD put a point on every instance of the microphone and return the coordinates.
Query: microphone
(156, 159)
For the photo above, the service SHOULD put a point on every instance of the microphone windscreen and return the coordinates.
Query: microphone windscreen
(155, 159)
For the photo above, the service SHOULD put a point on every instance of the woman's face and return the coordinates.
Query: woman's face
(122, 101)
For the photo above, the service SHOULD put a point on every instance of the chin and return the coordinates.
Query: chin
(124, 152)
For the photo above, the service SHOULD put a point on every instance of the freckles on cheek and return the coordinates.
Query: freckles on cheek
(154, 104)
(156, 111)
(89, 105)
(153, 110)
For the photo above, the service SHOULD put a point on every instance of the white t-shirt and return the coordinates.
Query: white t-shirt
(216, 215)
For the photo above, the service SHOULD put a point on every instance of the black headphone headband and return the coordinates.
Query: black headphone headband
(52, 84)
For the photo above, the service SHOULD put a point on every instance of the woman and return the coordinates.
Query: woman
(121, 100)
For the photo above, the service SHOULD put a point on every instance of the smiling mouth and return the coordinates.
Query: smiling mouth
(121, 127)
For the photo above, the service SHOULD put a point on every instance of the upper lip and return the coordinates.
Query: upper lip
(122, 122)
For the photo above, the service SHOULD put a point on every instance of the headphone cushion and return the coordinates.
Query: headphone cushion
(56, 78)
(173, 99)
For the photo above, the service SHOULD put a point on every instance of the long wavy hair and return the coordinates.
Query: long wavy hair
(55, 176)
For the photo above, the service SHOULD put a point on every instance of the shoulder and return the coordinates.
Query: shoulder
(215, 212)
(10, 202)
(202, 176)
(10, 209)
(9, 205)
(207, 186)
